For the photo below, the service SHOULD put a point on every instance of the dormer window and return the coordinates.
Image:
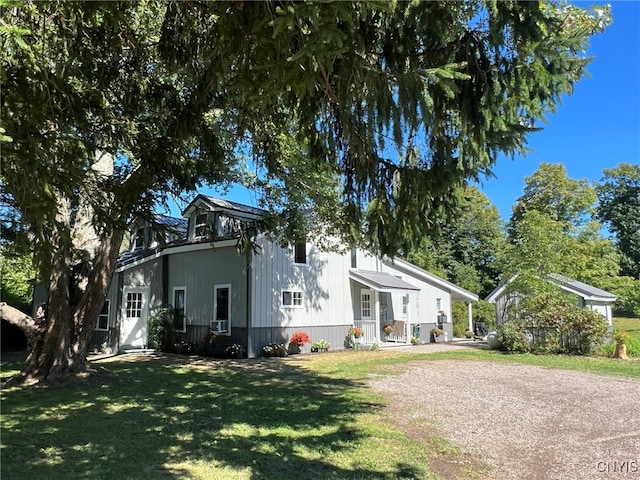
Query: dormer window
(201, 225)
(140, 238)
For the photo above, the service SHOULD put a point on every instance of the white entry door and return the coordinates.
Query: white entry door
(133, 328)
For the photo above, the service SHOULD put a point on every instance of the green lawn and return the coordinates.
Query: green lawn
(631, 325)
(181, 418)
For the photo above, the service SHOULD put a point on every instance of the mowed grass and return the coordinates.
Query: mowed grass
(173, 417)
(628, 324)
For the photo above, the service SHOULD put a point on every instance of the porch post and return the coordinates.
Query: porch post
(470, 313)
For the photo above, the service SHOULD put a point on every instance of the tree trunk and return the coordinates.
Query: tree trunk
(58, 346)
(621, 351)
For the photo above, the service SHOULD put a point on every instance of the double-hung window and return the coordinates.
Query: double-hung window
(201, 227)
(221, 323)
(103, 318)
(180, 308)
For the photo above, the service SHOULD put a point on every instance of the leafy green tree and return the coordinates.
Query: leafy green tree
(619, 207)
(551, 192)
(467, 248)
(107, 108)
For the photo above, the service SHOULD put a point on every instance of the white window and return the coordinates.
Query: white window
(405, 306)
(438, 304)
(292, 298)
(201, 227)
(300, 253)
(180, 308)
(221, 323)
(103, 318)
(365, 304)
(140, 238)
(134, 305)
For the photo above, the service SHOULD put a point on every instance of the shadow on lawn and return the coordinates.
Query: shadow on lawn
(161, 417)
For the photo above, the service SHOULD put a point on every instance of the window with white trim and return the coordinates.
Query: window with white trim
(300, 253)
(180, 308)
(292, 298)
(142, 237)
(201, 227)
(103, 318)
(221, 323)
(365, 304)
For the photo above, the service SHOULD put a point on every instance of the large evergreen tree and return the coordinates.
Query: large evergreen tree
(109, 107)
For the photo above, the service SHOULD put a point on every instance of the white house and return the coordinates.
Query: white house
(261, 297)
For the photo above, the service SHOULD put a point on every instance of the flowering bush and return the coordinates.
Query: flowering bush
(235, 349)
(274, 350)
(299, 338)
(388, 329)
(355, 332)
(621, 336)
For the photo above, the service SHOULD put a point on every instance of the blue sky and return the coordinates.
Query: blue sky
(596, 127)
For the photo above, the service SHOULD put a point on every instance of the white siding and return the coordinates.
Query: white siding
(324, 281)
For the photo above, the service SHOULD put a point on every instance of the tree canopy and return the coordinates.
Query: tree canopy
(107, 108)
(619, 208)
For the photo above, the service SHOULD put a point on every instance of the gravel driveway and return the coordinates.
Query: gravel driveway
(525, 422)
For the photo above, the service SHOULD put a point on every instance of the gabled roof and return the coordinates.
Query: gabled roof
(457, 293)
(381, 281)
(214, 203)
(176, 223)
(586, 291)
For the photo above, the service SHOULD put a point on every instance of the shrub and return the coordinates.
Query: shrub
(274, 350)
(542, 324)
(299, 338)
(162, 329)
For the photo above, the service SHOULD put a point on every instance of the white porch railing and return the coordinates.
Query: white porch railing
(369, 331)
(372, 335)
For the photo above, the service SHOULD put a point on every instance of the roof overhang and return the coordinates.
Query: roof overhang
(382, 281)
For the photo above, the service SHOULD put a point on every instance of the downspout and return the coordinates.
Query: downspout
(250, 350)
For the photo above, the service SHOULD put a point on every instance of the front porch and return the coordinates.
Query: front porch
(373, 333)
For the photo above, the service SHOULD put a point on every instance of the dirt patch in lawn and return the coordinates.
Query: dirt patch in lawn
(518, 422)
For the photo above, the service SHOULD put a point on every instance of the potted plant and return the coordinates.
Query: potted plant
(388, 329)
(355, 332)
(274, 349)
(320, 346)
(435, 333)
(235, 351)
(299, 339)
(468, 334)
